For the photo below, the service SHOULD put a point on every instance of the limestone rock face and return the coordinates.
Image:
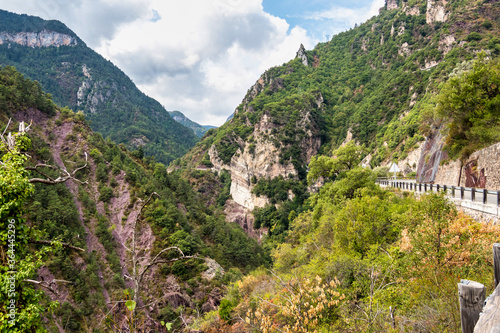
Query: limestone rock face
(391, 4)
(43, 38)
(436, 11)
(262, 160)
(213, 269)
(446, 43)
(301, 53)
(404, 50)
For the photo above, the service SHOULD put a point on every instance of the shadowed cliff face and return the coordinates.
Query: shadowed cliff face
(43, 38)
(432, 154)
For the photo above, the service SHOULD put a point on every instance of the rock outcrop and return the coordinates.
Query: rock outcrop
(262, 156)
(263, 161)
(43, 38)
(391, 4)
(436, 11)
(301, 53)
(430, 158)
(446, 43)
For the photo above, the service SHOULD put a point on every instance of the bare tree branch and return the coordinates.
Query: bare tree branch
(46, 242)
(47, 285)
(5, 130)
(65, 175)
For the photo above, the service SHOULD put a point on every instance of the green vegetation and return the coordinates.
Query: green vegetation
(364, 259)
(470, 102)
(179, 217)
(112, 102)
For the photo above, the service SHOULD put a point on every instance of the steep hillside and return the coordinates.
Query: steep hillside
(96, 212)
(198, 129)
(78, 77)
(371, 84)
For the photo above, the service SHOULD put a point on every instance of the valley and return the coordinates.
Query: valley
(129, 217)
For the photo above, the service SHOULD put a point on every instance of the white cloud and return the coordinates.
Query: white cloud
(202, 56)
(348, 15)
(196, 56)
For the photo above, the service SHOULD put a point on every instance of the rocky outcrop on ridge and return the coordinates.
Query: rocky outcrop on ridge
(43, 38)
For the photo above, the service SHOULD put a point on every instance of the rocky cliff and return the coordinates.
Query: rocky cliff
(261, 159)
(43, 38)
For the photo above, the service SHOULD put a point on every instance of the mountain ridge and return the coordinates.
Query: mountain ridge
(81, 79)
(198, 129)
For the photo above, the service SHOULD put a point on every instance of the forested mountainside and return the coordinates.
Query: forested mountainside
(198, 129)
(78, 77)
(94, 215)
(374, 85)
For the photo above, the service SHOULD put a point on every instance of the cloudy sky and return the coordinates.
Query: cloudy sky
(200, 56)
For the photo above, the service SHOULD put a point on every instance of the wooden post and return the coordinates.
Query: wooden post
(473, 194)
(485, 196)
(462, 193)
(471, 296)
(496, 262)
(425, 187)
(445, 188)
(437, 188)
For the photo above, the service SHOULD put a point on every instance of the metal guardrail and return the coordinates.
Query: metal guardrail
(472, 194)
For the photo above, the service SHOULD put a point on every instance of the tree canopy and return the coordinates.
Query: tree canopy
(470, 102)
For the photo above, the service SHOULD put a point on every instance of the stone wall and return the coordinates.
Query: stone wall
(480, 216)
(481, 170)
(448, 173)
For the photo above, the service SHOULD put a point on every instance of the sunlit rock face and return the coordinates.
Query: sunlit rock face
(43, 38)
(436, 11)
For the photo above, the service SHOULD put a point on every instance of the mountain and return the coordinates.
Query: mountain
(198, 129)
(78, 77)
(96, 213)
(374, 85)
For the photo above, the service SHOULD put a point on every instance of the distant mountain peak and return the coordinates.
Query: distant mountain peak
(198, 129)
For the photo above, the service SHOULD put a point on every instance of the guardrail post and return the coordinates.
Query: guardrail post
(462, 192)
(473, 194)
(498, 198)
(471, 296)
(425, 187)
(444, 189)
(485, 196)
(453, 191)
(437, 188)
(431, 188)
